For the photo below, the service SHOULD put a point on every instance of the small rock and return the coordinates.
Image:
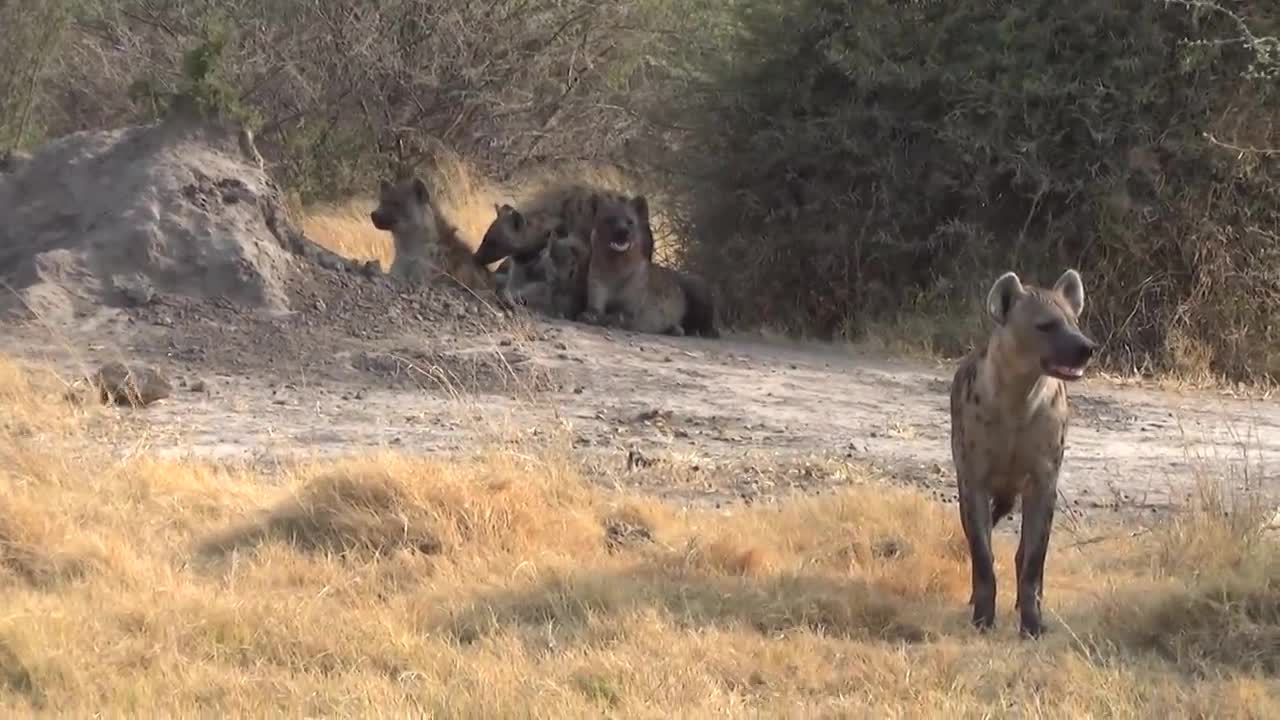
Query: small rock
(1274, 524)
(11, 161)
(197, 386)
(138, 386)
(135, 289)
(889, 548)
(636, 459)
(620, 533)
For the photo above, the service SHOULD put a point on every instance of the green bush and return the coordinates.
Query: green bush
(30, 33)
(849, 164)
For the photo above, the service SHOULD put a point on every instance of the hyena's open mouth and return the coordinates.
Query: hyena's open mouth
(1068, 370)
(1065, 372)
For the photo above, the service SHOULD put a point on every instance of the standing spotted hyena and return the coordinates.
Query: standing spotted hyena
(1008, 429)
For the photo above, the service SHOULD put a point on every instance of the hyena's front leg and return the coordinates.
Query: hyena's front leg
(975, 518)
(1033, 547)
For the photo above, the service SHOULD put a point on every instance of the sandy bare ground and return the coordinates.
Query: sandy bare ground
(744, 417)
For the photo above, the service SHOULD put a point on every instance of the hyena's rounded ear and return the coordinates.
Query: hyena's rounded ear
(1006, 291)
(1071, 287)
(641, 205)
(420, 190)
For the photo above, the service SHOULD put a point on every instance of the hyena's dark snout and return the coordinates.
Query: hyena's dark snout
(490, 250)
(1082, 351)
(1070, 355)
(380, 220)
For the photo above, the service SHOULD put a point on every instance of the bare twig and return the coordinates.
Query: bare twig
(1240, 148)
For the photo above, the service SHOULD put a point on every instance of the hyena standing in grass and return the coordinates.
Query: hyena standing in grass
(1009, 417)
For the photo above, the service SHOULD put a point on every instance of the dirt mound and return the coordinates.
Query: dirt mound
(115, 218)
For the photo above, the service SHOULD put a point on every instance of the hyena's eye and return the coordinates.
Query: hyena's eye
(1046, 325)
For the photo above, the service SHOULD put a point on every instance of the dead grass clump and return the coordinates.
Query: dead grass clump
(17, 678)
(634, 523)
(35, 402)
(366, 513)
(727, 556)
(34, 548)
(377, 506)
(1230, 620)
(904, 543)
(1222, 527)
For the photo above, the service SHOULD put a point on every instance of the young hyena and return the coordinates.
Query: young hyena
(1008, 428)
(426, 243)
(559, 210)
(551, 229)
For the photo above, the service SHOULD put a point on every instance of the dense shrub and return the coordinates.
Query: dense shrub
(850, 163)
(338, 88)
(833, 167)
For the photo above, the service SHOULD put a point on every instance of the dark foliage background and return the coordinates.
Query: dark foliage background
(833, 167)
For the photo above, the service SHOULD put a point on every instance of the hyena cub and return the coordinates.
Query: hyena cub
(564, 210)
(535, 271)
(426, 243)
(625, 288)
(544, 247)
(1008, 429)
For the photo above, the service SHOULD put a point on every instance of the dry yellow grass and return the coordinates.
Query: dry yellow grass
(346, 230)
(504, 585)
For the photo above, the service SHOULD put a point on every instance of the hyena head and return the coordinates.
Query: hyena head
(620, 224)
(568, 254)
(403, 206)
(507, 235)
(1039, 329)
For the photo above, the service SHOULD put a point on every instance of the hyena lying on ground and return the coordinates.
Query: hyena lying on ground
(625, 288)
(426, 243)
(528, 276)
(1009, 417)
(544, 248)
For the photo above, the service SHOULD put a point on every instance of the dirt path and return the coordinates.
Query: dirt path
(768, 414)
